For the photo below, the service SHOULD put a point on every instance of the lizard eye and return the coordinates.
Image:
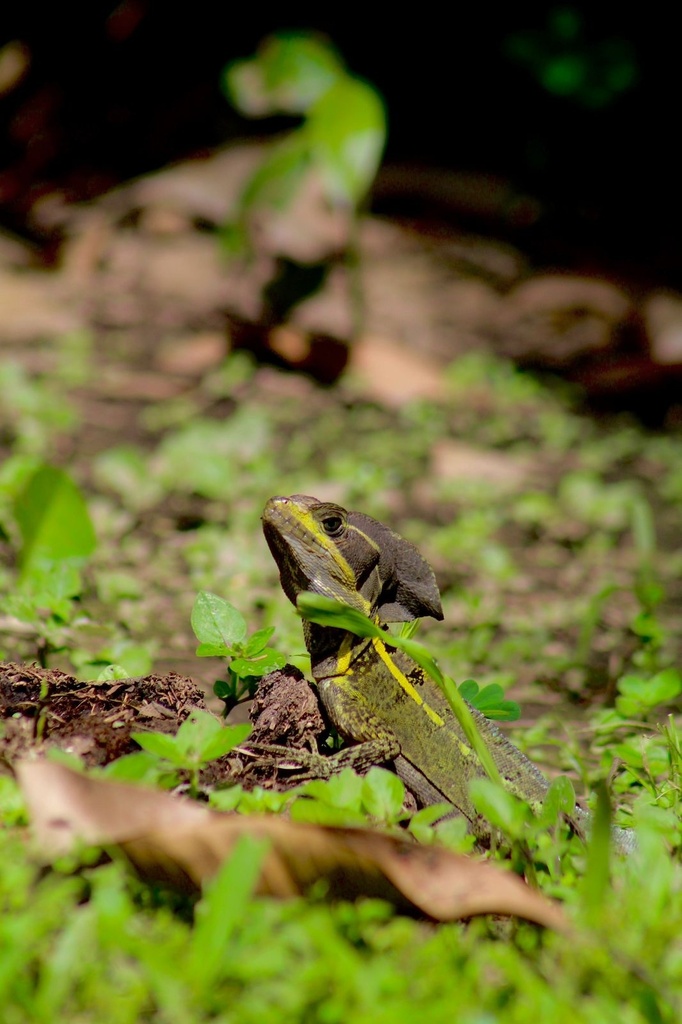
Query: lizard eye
(333, 525)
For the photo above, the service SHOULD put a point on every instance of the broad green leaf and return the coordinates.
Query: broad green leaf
(421, 824)
(491, 702)
(638, 694)
(143, 767)
(212, 651)
(223, 689)
(53, 520)
(195, 732)
(501, 808)
(382, 794)
(52, 586)
(222, 742)
(161, 744)
(346, 131)
(215, 621)
(314, 812)
(257, 642)
(267, 661)
(342, 790)
(469, 689)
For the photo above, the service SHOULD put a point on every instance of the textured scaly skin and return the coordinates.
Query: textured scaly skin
(378, 698)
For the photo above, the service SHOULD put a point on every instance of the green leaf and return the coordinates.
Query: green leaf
(257, 642)
(560, 799)
(222, 742)
(267, 661)
(383, 794)
(196, 731)
(314, 812)
(421, 824)
(161, 745)
(212, 651)
(112, 672)
(223, 689)
(215, 621)
(52, 586)
(142, 767)
(469, 689)
(638, 694)
(490, 701)
(325, 611)
(53, 520)
(346, 131)
(223, 908)
(595, 882)
(501, 808)
(342, 790)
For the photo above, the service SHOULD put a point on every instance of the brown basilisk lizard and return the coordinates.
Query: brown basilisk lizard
(377, 698)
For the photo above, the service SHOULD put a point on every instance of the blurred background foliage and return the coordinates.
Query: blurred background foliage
(574, 103)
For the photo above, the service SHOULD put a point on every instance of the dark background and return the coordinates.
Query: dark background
(114, 90)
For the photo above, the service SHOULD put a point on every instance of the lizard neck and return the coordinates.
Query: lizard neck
(332, 651)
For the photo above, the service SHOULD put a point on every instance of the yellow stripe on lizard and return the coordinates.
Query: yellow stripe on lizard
(407, 686)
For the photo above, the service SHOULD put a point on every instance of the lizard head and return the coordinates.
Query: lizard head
(321, 547)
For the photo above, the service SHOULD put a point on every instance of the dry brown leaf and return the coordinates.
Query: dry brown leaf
(182, 843)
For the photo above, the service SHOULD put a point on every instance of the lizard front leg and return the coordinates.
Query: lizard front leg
(372, 741)
(314, 765)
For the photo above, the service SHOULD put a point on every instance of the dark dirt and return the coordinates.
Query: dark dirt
(46, 707)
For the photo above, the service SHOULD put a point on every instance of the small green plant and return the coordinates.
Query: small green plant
(343, 130)
(565, 62)
(221, 632)
(47, 517)
(200, 739)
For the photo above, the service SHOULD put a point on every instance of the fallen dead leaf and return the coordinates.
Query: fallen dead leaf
(182, 843)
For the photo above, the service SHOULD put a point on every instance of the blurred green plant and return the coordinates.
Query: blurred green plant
(337, 148)
(343, 131)
(566, 62)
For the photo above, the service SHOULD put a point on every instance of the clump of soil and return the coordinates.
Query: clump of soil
(46, 707)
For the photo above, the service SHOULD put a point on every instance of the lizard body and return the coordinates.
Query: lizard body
(378, 699)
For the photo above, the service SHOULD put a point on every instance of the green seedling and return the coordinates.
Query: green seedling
(638, 695)
(221, 631)
(49, 520)
(200, 739)
(566, 62)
